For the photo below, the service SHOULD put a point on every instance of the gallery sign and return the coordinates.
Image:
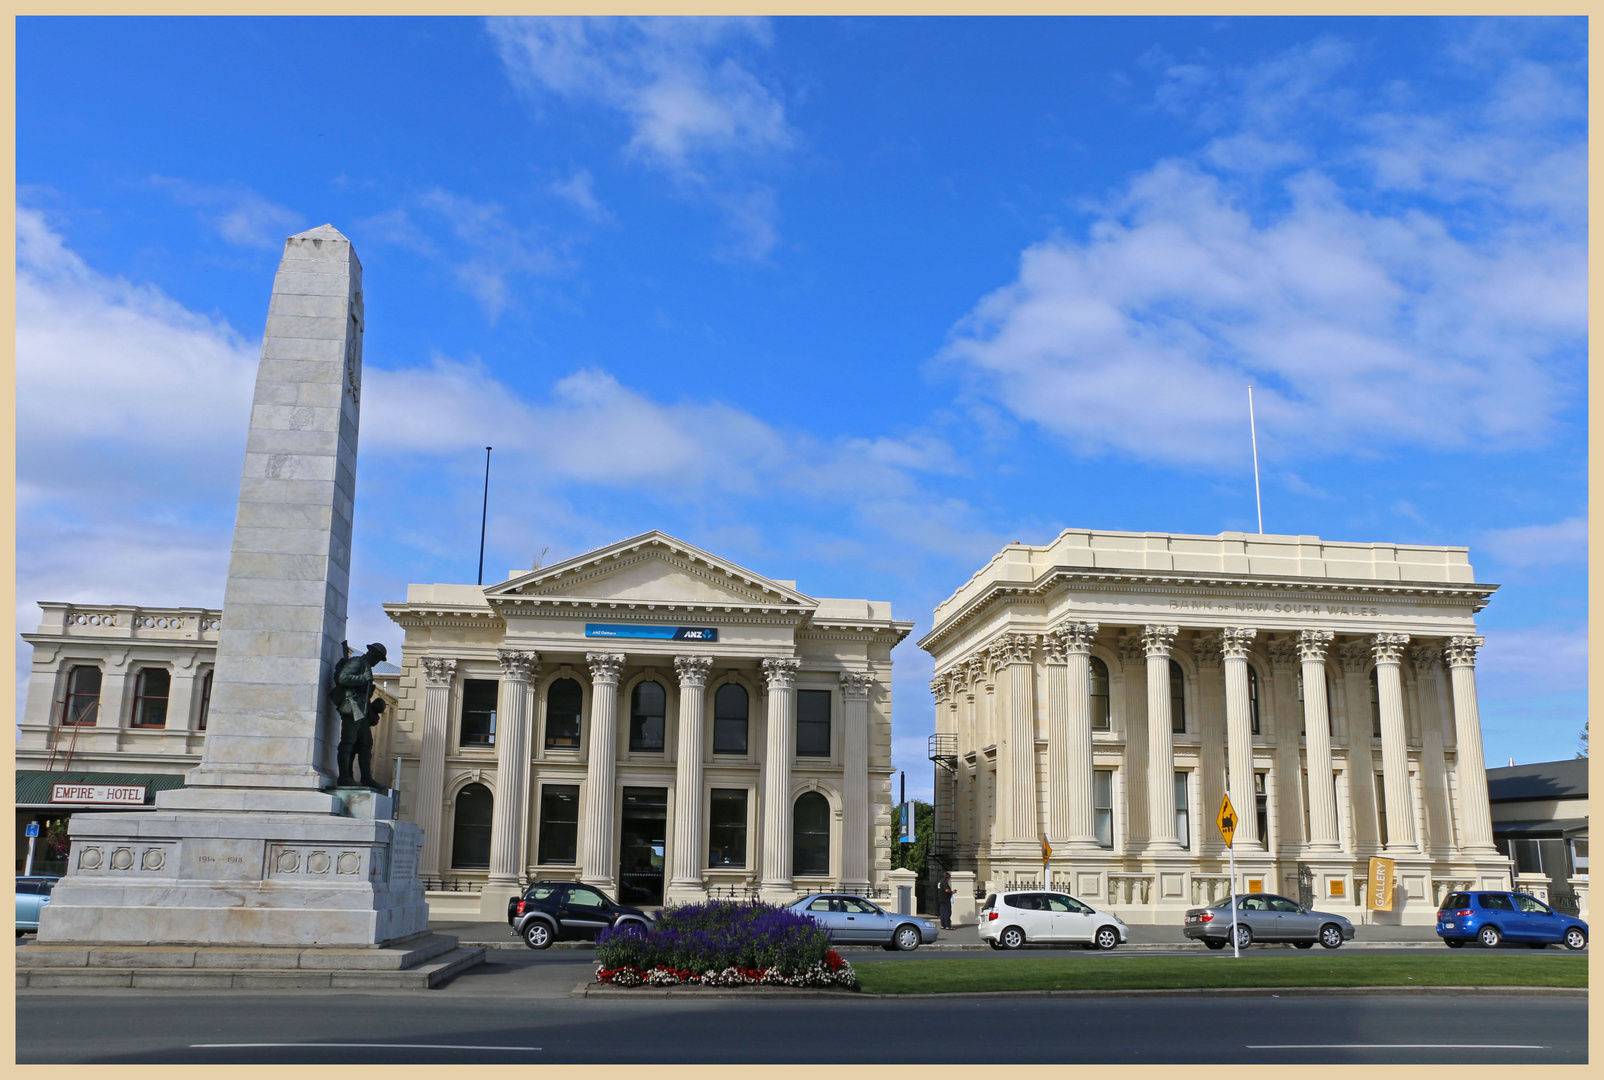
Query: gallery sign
(99, 794)
(651, 633)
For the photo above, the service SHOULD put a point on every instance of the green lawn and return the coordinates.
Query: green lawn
(936, 976)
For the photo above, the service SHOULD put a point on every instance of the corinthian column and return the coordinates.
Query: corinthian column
(1234, 645)
(438, 671)
(686, 882)
(1312, 647)
(779, 741)
(596, 863)
(1069, 734)
(1158, 641)
(1476, 817)
(512, 770)
(855, 687)
(1388, 649)
(1019, 792)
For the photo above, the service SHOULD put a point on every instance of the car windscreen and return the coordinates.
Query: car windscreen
(541, 892)
(1455, 900)
(1224, 901)
(991, 902)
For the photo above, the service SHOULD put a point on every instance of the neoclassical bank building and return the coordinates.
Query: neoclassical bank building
(1105, 691)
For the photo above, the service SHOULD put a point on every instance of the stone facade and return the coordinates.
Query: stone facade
(641, 778)
(1107, 690)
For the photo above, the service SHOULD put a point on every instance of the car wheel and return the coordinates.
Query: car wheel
(1244, 937)
(1304, 944)
(1331, 936)
(1490, 938)
(1107, 938)
(537, 935)
(1011, 938)
(1211, 943)
(906, 938)
(1575, 940)
(1452, 944)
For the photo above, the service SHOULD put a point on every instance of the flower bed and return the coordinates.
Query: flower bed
(720, 943)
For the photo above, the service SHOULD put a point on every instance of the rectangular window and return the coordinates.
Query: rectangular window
(479, 712)
(726, 831)
(150, 697)
(1183, 819)
(1261, 807)
(1103, 806)
(83, 697)
(813, 723)
(1579, 856)
(1381, 808)
(1306, 833)
(206, 700)
(559, 823)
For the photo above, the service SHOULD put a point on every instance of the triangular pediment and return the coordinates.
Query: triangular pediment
(650, 569)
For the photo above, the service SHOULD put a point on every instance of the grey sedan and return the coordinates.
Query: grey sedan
(853, 920)
(1267, 918)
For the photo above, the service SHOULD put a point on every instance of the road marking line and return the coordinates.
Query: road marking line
(1398, 1046)
(375, 1046)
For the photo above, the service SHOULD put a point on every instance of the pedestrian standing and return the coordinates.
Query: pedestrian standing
(944, 893)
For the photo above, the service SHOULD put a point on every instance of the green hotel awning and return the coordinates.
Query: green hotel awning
(33, 787)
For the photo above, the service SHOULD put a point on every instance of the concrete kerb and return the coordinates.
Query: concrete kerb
(1189, 946)
(601, 990)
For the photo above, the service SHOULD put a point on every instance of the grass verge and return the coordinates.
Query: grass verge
(967, 976)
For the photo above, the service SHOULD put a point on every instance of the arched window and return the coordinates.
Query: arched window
(1177, 698)
(647, 706)
(83, 696)
(1375, 706)
(1099, 690)
(150, 697)
(810, 837)
(564, 703)
(470, 835)
(206, 699)
(1253, 698)
(730, 706)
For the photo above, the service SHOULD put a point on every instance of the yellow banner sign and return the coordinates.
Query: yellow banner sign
(1226, 820)
(1380, 891)
(1046, 850)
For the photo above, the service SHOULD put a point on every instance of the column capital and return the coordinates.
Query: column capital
(693, 670)
(1389, 648)
(605, 667)
(1159, 640)
(1283, 651)
(1313, 645)
(438, 670)
(1426, 658)
(1461, 651)
(1355, 656)
(938, 687)
(517, 666)
(1015, 648)
(1237, 641)
(975, 670)
(780, 671)
(1208, 650)
(1130, 649)
(1068, 638)
(856, 684)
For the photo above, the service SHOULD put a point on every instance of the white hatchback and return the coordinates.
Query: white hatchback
(1009, 920)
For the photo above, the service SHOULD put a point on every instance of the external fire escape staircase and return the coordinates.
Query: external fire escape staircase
(944, 837)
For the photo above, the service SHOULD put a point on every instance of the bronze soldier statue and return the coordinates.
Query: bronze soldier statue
(359, 714)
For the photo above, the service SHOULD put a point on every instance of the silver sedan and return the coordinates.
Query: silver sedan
(1266, 918)
(852, 919)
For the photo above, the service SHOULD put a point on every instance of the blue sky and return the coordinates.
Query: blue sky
(849, 301)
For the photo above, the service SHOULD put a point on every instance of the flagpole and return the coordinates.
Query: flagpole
(1253, 429)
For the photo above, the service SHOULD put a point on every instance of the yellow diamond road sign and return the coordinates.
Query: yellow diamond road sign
(1226, 820)
(1046, 850)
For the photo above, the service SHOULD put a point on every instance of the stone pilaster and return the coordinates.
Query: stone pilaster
(512, 775)
(1069, 741)
(855, 688)
(1323, 834)
(1475, 814)
(438, 674)
(1157, 642)
(1388, 650)
(1439, 829)
(685, 885)
(1019, 819)
(1235, 642)
(597, 830)
(779, 745)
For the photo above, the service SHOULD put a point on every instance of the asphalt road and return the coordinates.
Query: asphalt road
(516, 1009)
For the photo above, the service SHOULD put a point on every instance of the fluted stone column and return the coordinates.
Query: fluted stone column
(685, 885)
(597, 865)
(1020, 822)
(1388, 649)
(1476, 816)
(1235, 642)
(1158, 641)
(855, 687)
(1069, 747)
(438, 673)
(512, 774)
(779, 744)
(1312, 648)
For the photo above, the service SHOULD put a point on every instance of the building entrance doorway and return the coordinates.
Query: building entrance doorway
(644, 831)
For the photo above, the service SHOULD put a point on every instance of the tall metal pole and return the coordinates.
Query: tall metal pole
(1253, 428)
(1236, 944)
(484, 518)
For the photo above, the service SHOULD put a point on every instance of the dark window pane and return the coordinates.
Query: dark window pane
(83, 696)
(726, 834)
(559, 823)
(1375, 706)
(646, 710)
(1177, 698)
(150, 697)
(813, 723)
(1099, 690)
(730, 707)
(810, 843)
(470, 834)
(479, 712)
(1253, 698)
(564, 702)
(206, 700)
(1103, 806)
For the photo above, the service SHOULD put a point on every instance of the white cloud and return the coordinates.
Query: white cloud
(239, 215)
(1539, 545)
(1533, 660)
(580, 190)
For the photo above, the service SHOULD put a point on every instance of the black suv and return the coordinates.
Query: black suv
(556, 910)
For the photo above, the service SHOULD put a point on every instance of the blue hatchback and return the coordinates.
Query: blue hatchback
(1493, 918)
